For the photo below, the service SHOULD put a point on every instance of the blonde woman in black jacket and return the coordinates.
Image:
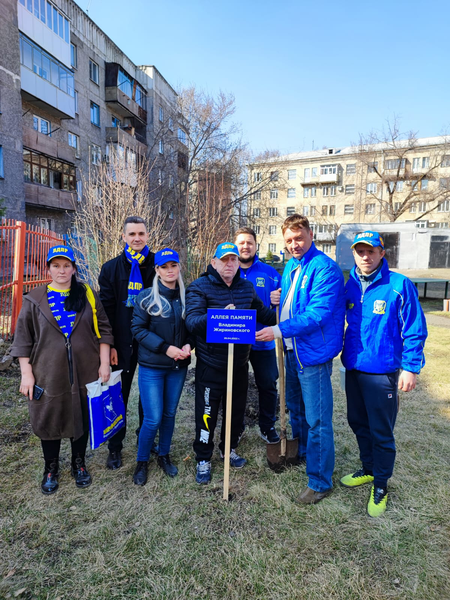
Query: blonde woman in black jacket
(164, 354)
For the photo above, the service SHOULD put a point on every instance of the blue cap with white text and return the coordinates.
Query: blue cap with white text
(166, 255)
(60, 252)
(371, 238)
(225, 249)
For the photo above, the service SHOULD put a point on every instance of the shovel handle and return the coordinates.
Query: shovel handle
(280, 356)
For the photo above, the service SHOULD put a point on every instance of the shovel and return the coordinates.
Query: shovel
(285, 452)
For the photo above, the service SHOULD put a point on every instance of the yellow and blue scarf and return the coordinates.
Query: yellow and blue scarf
(64, 318)
(135, 283)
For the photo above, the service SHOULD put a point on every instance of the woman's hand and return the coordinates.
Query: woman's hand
(187, 350)
(104, 373)
(27, 385)
(178, 353)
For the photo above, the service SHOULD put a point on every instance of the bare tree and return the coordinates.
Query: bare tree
(112, 191)
(399, 173)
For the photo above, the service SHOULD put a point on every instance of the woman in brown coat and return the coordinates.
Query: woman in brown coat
(62, 343)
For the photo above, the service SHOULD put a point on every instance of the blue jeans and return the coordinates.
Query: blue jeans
(160, 391)
(309, 399)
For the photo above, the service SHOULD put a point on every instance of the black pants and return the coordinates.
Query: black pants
(264, 363)
(51, 448)
(210, 391)
(372, 406)
(115, 444)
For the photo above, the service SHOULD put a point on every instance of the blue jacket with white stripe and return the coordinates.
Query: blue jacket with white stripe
(317, 312)
(386, 325)
(265, 279)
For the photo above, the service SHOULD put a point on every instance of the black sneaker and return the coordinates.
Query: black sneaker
(50, 483)
(270, 436)
(140, 473)
(114, 460)
(166, 465)
(82, 476)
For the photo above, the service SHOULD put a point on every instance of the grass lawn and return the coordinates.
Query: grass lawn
(173, 539)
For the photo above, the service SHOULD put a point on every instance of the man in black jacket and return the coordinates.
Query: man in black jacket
(220, 287)
(121, 279)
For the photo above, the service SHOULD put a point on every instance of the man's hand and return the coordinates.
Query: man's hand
(265, 335)
(407, 381)
(275, 297)
(230, 307)
(113, 357)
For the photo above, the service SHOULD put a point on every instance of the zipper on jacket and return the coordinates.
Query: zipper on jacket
(70, 360)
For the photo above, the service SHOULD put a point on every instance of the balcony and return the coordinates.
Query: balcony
(46, 96)
(124, 103)
(329, 178)
(44, 144)
(128, 138)
(40, 195)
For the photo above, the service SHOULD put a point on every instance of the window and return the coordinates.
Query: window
(329, 190)
(333, 190)
(421, 224)
(416, 164)
(93, 72)
(349, 189)
(46, 223)
(314, 172)
(305, 211)
(324, 211)
(125, 83)
(256, 212)
(96, 154)
(43, 170)
(42, 125)
(2, 172)
(256, 176)
(423, 206)
(115, 122)
(160, 176)
(370, 209)
(445, 161)
(292, 173)
(444, 206)
(328, 169)
(290, 210)
(74, 142)
(273, 212)
(312, 211)
(326, 248)
(76, 101)
(307, 174)
(442, 225)
(413, 207)
(170, 123)
(305, 192)
(79, 191)
(73, 56)
(161, 146)
(273, 194)
(161, 114)
(397, 206)
(394, 163)
(257, 229)
(272, 248)
(313, 191)
(424, 185)
(399, 186)
(332, 212)
(182, 136)
(95, 114)
(291, 193)
(349, 209)
(371, 188)
(272, 229)
(274, 176)
(257, 195)
(351, 169)
(425, 162)
(372, 167)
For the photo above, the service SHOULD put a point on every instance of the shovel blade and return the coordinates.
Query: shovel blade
(278, 461)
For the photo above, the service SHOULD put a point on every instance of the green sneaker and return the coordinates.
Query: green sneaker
(377, 502)
(355, 479)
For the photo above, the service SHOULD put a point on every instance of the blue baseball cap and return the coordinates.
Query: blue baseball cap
(166, 255)
(61, 252)
(371, 238)
(225, 249)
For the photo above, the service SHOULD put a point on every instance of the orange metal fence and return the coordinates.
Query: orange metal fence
(23, 253)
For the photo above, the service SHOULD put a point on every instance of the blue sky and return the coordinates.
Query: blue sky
(302, 73)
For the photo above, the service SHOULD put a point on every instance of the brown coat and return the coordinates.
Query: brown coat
(62, 411)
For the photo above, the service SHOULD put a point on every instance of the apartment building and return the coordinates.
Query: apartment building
(68, 97)
(401, 182)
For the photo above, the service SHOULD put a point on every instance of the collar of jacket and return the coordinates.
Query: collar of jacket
(250, 267)
(38, 297)
(216, 278)
(383, 272)
(168, 292)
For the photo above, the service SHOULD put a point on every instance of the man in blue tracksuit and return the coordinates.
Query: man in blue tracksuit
(265, 280)
(383, 353)
(312, 327)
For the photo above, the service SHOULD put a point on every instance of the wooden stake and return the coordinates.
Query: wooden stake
(229, 401)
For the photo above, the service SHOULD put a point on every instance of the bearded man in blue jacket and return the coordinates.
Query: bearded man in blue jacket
(383, 353)
(312, 328)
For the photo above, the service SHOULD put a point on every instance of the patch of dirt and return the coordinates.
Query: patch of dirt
(21, 433)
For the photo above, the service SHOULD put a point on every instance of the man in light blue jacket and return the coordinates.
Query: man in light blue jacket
(312, 327)
(383, 353)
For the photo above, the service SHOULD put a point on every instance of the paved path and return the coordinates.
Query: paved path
(437, 321)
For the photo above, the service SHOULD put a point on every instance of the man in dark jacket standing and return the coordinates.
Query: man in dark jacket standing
(121, 279)
(220, 287)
